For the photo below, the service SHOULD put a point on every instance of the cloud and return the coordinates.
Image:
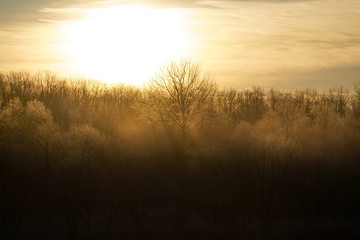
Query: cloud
(19, 10)
(323, 78)
(244, 42)
(15, 11)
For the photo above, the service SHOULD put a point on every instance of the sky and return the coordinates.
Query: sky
(285, 44)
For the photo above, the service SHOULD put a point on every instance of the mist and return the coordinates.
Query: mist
(179, 158)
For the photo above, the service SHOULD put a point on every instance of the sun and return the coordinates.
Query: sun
(125, 44)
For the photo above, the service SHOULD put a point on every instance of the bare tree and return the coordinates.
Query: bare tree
(182, 97)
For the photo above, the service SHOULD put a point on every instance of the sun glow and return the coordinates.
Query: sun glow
(125, 44)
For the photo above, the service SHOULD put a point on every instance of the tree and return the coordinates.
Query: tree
(356, 101)
(182, 97)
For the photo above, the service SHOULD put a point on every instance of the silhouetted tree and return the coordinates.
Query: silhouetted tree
(182, 97)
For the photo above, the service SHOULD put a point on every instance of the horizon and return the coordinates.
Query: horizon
(169, 119)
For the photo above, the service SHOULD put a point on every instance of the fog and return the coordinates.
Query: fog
(179, 158)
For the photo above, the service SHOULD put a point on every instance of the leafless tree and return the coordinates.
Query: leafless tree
(182, 97)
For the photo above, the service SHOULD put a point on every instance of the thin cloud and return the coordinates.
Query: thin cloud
(243, 42)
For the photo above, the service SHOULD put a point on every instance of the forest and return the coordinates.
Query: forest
(180, 158)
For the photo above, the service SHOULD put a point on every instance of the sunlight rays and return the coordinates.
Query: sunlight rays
(125, 44)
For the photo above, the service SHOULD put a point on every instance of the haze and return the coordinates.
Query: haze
(284, 44)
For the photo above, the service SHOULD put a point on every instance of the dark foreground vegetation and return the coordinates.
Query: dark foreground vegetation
(179, 159)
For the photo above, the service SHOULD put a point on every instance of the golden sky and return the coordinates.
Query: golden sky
(287, 44)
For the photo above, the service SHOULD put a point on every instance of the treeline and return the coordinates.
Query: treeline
(177, 159)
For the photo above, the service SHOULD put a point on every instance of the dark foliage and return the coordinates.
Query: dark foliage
(80, 160)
